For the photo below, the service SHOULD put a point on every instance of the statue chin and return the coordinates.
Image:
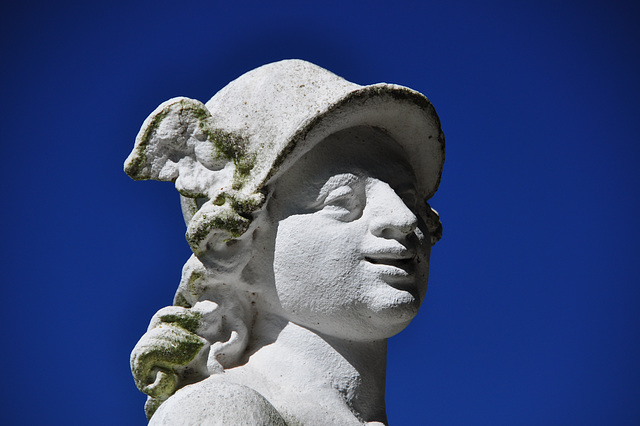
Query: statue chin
(305, 200)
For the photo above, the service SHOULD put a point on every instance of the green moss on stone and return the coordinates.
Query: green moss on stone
(151, 406)
(180, 300)
(190, 320)
(138, 163)
(246, 205)
(244, 166)
(167, 347)
(191, 194)
(193, 279)
(228, 222)
(234, 224)
(220, 200)
(233, 147)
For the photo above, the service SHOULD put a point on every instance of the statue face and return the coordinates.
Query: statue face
(351, 255)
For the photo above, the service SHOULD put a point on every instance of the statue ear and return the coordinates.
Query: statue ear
(178, 143)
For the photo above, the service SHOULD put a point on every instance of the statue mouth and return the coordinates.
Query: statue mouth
(395, 265)
(401, 263)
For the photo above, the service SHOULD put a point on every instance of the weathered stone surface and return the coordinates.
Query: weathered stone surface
(305, 199)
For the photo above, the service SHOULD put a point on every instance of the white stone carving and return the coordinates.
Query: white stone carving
(305, 199)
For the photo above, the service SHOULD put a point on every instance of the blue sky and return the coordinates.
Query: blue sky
(532, 309)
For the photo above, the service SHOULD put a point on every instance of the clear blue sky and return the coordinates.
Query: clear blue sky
(532, 313)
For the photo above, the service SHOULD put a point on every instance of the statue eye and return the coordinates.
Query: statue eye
(339, 195)
(410, 198)
(344, 203)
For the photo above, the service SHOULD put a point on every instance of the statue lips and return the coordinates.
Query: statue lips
(396, 265)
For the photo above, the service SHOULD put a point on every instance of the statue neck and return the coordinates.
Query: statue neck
(320, 370)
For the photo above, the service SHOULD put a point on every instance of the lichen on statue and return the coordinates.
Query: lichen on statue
(305, 199)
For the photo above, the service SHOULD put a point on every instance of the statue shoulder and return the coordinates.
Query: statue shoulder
(217, 402)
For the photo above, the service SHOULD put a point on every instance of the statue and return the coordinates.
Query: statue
(305, 200)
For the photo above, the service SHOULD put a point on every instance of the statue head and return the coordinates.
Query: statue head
(294, 181)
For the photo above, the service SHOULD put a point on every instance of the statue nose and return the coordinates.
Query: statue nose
(391, 218)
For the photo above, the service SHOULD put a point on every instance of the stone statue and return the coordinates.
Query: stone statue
(305, 200)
